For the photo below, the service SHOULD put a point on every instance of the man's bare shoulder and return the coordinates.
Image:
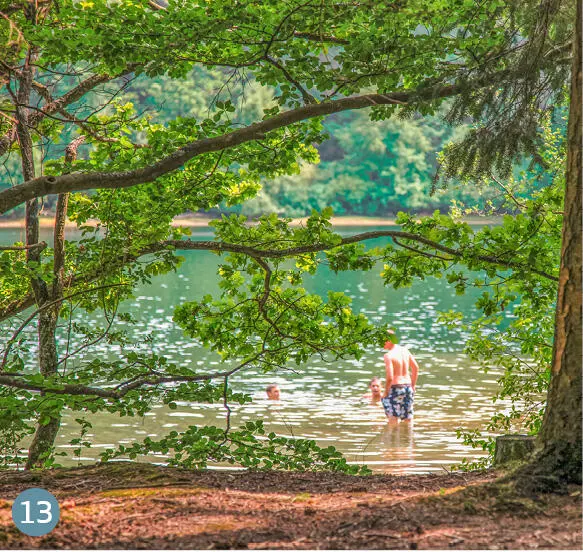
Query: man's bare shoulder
(396, 350)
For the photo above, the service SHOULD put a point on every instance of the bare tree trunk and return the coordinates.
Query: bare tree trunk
(46, 433)
(559, 459)
(47, 322)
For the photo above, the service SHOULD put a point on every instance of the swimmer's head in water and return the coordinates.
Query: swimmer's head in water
(272, 392)
(375, 386)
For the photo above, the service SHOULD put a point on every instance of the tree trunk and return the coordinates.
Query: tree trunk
(559, 459)
(45, 434)
(44, 438)
(513, 448)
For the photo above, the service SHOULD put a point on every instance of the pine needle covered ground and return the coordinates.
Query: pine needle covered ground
(126, 506)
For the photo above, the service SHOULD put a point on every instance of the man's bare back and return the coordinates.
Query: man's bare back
(402, 371)
(398, 361)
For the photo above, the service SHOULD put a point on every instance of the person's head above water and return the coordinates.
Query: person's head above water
(272, 392)
(375, 387)
(392, 337)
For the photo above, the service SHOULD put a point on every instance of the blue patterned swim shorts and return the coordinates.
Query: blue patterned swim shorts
(399, 403)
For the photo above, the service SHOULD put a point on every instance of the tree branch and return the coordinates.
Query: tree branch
(11, 380)
(419, 252)
(59, 230)
(41, 245)
(320, 37)
(189, 245)
(83, 124)
(54, 106)
(308, 98)
(313, 248)
(17, 306)
(45, 306)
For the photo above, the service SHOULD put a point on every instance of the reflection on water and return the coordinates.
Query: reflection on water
(323, 402)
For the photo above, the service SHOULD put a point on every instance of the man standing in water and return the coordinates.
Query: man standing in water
(402, 371)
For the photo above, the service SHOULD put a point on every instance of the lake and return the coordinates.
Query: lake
(323, 401)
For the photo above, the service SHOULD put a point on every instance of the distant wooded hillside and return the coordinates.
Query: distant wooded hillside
(365, 169)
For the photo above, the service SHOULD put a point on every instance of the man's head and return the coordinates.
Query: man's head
(272, 392)
(390, 343)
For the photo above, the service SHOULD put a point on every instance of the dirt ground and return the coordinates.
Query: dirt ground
(125, 506)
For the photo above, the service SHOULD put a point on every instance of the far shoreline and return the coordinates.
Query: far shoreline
(193, 221)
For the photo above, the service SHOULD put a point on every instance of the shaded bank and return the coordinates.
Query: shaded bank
(127, 505)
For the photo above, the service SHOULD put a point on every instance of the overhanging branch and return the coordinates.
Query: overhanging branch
(14, 381)
(314, 248)
(189, 245)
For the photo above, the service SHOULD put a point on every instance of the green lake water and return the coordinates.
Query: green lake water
(323, 401)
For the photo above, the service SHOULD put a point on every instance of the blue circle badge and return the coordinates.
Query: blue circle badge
(35, 512)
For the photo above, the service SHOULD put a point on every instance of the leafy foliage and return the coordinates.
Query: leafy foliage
(248, 447)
